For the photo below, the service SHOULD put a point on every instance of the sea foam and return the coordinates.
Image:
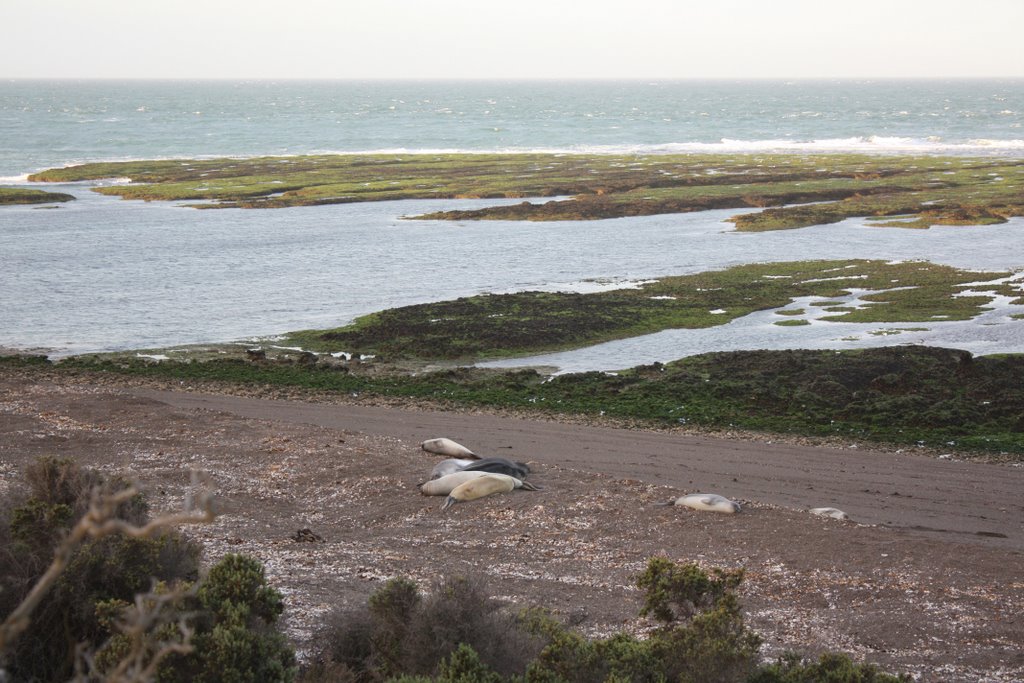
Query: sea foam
(872, 144)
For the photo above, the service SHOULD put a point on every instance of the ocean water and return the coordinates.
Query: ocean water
(105, 274)
(52, 123)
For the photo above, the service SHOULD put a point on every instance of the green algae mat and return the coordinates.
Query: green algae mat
(793, 191)
(502, 325)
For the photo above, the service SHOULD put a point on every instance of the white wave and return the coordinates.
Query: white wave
(879, 144)
(869, 144)
(14, 179)
(872, 144)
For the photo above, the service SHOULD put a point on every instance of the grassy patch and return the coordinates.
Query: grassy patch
(18, 195)
(791, 323)
(490, 326)
(794, 191)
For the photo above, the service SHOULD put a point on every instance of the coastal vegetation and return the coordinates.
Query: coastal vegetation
(489, 326)
(793, 191)
(458, 633)
(907, 396)
(20, 195)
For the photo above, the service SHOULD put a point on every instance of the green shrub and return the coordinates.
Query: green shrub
(715, 647)
(392, 607)
(464, 666)
(39, 524)
(403, 632)
(829, 668)
(571, 658)
(677, 592)
(232, 614)
(236, 638)
(701, 639)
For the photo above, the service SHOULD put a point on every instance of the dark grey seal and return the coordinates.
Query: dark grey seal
(519, 470)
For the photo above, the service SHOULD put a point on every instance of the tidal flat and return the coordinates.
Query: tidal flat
(502, 325)
(792, 191)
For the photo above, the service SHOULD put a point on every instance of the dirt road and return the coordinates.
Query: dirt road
(970, 502)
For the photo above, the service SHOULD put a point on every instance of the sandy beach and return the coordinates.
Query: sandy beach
(925, 577)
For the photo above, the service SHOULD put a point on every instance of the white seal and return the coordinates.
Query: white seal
(487, 485)
(448, 483)
(443, 446)
(707, 501)
(834, 513)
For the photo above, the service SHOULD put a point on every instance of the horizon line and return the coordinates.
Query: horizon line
(482, 79)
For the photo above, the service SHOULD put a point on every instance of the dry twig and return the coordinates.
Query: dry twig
(100, 520)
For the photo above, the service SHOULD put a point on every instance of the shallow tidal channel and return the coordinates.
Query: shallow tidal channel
(103, 274)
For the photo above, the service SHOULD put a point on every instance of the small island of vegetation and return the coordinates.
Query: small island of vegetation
(793, 191)
(19, 195)
(494, 326)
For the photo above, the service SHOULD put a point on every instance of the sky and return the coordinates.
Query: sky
(345, 39)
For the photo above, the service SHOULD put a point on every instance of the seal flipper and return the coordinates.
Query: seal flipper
(448, 502)
(527, 486)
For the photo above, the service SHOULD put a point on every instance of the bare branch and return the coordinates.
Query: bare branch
(100, 520)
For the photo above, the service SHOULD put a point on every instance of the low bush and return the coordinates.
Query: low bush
(122, 598)
(235, 637)
(829, 668)
(404, 632)
(701, 638)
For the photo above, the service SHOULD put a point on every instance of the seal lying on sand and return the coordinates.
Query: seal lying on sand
(479, 487)
(449, 466)
(519, 470)
(834, 513)
(443, 446)
(446, 484)
(706, 501)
